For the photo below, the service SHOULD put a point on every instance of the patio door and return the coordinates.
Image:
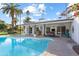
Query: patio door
(61, 30)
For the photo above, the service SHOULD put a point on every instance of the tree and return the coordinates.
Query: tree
(2, 22)
(27, 19)
(11, 9)
(19, 12)
(28, 13)
(73, 8)
(2, 27)
(15, 21)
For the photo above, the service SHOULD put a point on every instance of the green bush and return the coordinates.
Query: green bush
(10, 31)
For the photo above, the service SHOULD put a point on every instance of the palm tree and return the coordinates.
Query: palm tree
(19, 14)
(74, 7)
(28, 13)
(15, 21)
(12, 10)
(27, 19)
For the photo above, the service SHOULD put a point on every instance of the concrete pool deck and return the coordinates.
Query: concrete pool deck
(60, 47)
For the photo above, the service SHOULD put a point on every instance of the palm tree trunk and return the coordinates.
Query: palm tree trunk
(15, 23)
(20, 23)
(12, 22)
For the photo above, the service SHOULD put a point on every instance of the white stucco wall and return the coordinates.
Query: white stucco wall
(75, 33)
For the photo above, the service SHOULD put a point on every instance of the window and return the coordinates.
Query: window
(61, 29)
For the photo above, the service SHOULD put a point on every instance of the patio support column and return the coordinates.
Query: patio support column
(55, 30)
(33, 30)
(26, 29)
(60, 32)
(43, 30)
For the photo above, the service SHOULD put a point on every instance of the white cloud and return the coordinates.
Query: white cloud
(23, 18)
(70, 4)
(41, 7)
(48, 19)
(1, 5)
(35, 20)
(36, 9)
(58, 13)
(31, 9)
(54, 19)
(34, 4)
(37, 14)
(7, 15)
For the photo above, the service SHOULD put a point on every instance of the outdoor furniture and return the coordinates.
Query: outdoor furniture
(51, 34)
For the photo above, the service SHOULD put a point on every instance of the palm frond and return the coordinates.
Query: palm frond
(74, 7)
(18, 11)
(27, 19)
(5, 4)
(27, 12)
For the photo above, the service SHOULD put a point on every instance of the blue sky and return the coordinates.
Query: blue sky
(51, 11)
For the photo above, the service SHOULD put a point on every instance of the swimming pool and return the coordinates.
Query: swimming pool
(23, 46)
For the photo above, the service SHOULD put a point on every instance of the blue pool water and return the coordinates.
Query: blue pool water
(23, 46)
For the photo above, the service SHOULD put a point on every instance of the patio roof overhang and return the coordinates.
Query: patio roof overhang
(49, 22)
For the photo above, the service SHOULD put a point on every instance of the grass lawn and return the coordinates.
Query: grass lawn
(3, 33)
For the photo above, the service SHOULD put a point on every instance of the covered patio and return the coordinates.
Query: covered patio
(52, 28)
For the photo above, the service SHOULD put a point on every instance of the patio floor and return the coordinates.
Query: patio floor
(60, 47)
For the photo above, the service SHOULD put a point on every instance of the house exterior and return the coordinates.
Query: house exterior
(57, 27)
(64, 27)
